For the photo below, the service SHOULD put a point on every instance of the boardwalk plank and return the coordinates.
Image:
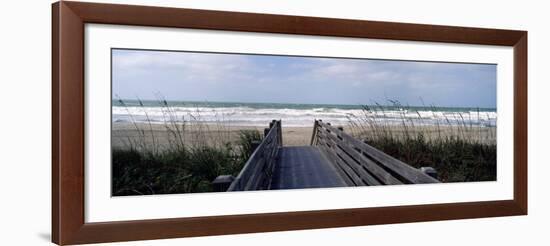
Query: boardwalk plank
(304, 167)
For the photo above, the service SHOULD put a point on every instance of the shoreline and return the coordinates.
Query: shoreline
(219, 134)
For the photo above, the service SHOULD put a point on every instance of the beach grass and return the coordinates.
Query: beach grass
(184, 154)
(143, 166)
(459, 148)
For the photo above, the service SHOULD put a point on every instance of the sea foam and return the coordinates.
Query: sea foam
(257, 116)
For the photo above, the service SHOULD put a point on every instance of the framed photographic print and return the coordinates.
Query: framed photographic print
(174, 122)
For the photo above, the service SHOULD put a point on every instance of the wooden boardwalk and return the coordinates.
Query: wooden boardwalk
(304, 167)
(333, 159)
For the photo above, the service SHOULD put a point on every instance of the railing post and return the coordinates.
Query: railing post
(280, 132)
(222, 183)
(314, 133)
(430, 171)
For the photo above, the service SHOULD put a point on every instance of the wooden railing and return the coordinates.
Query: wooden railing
(256, 173)
(361, 164)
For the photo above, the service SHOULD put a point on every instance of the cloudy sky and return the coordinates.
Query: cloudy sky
(285, 79)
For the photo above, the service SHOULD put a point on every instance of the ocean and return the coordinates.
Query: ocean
(298, 115)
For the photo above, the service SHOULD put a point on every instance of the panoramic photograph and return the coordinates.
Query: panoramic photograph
(192, 122)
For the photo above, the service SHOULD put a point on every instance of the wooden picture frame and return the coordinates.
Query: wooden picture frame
(68, 223)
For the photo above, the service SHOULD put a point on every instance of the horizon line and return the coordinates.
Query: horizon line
(327, 104)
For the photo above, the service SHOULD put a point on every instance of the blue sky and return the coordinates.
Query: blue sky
(192, 76)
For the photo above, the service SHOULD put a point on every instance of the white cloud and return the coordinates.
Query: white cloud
(282, 79)
(191, 66)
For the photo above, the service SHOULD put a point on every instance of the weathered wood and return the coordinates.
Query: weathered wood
(367, 178)
(373, 166)
(301, 167)
(257, 171)
(381, 174)
(351, 168)
(356, 163)
(341, 170)
(401, 169)
(222, 183)
(314, 133)
(256, 176)
(348, 175)
(430, 171)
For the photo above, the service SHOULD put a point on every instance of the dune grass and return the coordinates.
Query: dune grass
(145, 167)
(462, 148)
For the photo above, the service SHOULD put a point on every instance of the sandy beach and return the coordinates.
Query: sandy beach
(122, 133)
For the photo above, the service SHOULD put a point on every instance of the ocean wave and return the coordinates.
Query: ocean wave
(297, 117)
